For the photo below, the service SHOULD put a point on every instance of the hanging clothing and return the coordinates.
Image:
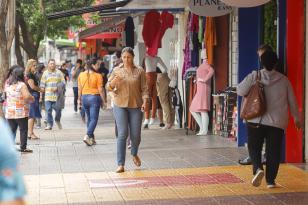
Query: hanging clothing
(129, 32)
(210, 39)
(190, 91)
(177, 105)
(187, 52)
(173, 75)
(151, 26)
(201, 29)
(202, 99)
(154, 28)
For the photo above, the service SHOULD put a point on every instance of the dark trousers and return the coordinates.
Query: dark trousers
(273, 137)
(22, 123)
(75, 89)
(179, 115)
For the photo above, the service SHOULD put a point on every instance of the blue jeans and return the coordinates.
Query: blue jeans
(127, 119)
(91, 105)
(49, 106)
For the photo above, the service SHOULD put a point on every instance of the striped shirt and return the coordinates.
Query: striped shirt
(49, 82)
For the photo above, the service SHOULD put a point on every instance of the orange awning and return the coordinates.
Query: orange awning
(107, 35)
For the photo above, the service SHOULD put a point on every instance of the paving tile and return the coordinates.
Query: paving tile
(80, 197)
(177, 169)
(53, 196)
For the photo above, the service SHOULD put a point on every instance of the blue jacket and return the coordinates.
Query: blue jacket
(11, 181)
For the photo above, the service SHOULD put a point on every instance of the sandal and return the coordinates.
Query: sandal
(33, 137)
(120, 169)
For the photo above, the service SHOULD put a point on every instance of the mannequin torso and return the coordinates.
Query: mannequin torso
(152, 62)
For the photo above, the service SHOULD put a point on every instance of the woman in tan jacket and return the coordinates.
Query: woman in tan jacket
(130, 94)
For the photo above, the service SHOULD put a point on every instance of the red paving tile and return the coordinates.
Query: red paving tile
(182, 180)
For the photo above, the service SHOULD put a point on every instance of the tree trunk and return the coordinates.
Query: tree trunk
(4, 51)
(19, 57)
(28, 43)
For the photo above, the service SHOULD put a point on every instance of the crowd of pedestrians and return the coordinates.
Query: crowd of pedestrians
(29, 90)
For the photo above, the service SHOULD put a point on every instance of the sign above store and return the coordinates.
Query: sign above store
(245, 3)
(209, 7)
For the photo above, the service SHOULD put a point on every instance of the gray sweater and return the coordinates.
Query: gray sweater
(279, 97)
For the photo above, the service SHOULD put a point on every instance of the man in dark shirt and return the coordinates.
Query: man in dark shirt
(64, 71)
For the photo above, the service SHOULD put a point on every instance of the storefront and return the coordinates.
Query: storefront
(238, 35)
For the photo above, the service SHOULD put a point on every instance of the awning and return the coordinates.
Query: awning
(103, 36)
(89, 9)
(65, 42)
(102, 28)
(155, 4)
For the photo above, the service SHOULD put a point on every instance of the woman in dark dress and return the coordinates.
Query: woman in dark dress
(33, 86)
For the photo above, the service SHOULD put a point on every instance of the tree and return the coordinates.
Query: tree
(6, 36)
(32, 24)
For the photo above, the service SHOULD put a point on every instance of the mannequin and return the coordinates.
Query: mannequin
(151, 77)
(200, 104)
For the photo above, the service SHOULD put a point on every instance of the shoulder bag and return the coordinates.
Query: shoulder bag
(254, 103)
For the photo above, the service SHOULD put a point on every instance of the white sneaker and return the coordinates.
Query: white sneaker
(146, 121)
(59, 125)
(152, 121)
(48, 127)
(271, 186)
(257, 179)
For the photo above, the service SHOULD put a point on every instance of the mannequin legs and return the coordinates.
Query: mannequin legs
(165, 99)
(202, 120)
(151, 78)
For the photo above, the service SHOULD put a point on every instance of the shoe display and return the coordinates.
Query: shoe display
(257, 179)
(120, 169)
(137, 161)
(59, 125)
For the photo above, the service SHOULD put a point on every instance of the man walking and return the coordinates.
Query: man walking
(75, 73)
(51, 78)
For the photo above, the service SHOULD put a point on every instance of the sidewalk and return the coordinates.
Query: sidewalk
(176, 169)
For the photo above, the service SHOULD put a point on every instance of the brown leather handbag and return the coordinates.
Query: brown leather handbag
(254, 103)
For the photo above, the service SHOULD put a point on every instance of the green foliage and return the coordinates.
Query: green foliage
(270, 27)
(35, 17)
